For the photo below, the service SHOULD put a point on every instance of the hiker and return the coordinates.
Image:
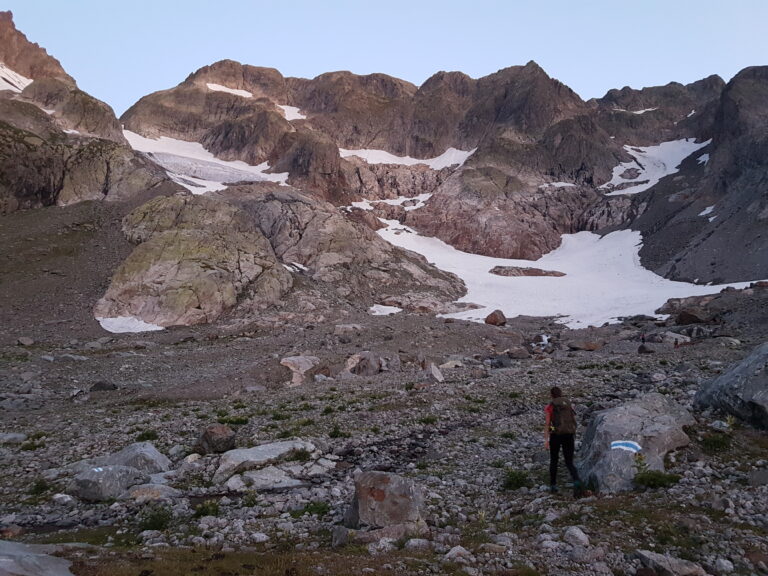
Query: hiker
(560, 431)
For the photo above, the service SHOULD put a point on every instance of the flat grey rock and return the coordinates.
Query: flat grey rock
(18, 559)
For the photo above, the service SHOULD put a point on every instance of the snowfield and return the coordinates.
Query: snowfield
(604, 279)
(450, 157)
(10, 80)
(192, 166)
(653, 162)
(292, 113)
(220, 88)
(421, 199)
(121, 324)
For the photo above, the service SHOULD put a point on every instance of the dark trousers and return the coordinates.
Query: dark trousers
(567, 443)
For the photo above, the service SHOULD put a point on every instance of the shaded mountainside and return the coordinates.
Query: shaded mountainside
(59, 145)
(709, 223)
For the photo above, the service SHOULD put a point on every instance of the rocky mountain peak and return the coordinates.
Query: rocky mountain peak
(27, 58)
(259, 81)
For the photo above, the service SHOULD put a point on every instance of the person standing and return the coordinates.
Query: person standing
(560, 432)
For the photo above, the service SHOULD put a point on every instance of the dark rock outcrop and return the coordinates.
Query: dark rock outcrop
(741, 391)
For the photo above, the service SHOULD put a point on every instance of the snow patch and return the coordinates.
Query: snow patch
(450, 157)
(604, 278)
(703, 159)
(653, 163)
(557, 185)
(236, 92)
(122, 324)
(10, 80)
(421, 199)
(381, 310)
(707, 210)
(190, 161)
(292, 113)
(643, 111)
(691, 113)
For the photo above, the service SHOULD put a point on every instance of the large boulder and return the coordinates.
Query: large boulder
(198, 257)
(301, 367)
(382, 500)
(653, 421)
(243, 459)
(742, 390)
(17, 559)
(105, 482)
(666, 565)
(142, 456)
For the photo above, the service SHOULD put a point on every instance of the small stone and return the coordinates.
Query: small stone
(724, 566)
(575, 537)
(24, 341)
(216, 439)
(496, 318)
(259, 538)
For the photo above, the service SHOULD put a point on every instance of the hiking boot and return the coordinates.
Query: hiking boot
(553, 489)
(578, 489)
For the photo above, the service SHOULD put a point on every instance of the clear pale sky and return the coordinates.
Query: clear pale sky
(120, 50)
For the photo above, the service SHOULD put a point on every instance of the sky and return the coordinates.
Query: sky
(121, 50)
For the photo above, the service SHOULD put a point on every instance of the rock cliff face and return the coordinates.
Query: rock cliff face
(59, 145)
(709, 223)
(200, 258)
(40, 165)
(659, 113)
(25, 57)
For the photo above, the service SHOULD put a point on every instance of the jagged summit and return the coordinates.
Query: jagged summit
(25, 57)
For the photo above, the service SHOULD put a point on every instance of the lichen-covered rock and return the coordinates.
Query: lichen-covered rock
(742, 390)
(653, 421)
(198, 258)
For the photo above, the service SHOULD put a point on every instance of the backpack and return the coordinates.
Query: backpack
(563, 417)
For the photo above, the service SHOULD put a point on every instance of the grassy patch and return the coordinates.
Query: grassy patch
(655, 479)
(515, 479)
(715, 443)
(207, 508)
(337, 432)
(155, 518)
(234, 420)
(146, 435)
(318, 509)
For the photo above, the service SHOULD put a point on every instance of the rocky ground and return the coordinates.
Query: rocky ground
(471, 442)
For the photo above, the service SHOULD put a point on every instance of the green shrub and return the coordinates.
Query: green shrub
(146, 435)
(39, 487)
(300, 455)
(250, 499)
(155, 518)
(656, 479)
(428, 420)
(336, 432)
(319, 509)
(514, 479)
(234, 420)
(716, 442)
(207, 508)
(31, 445)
